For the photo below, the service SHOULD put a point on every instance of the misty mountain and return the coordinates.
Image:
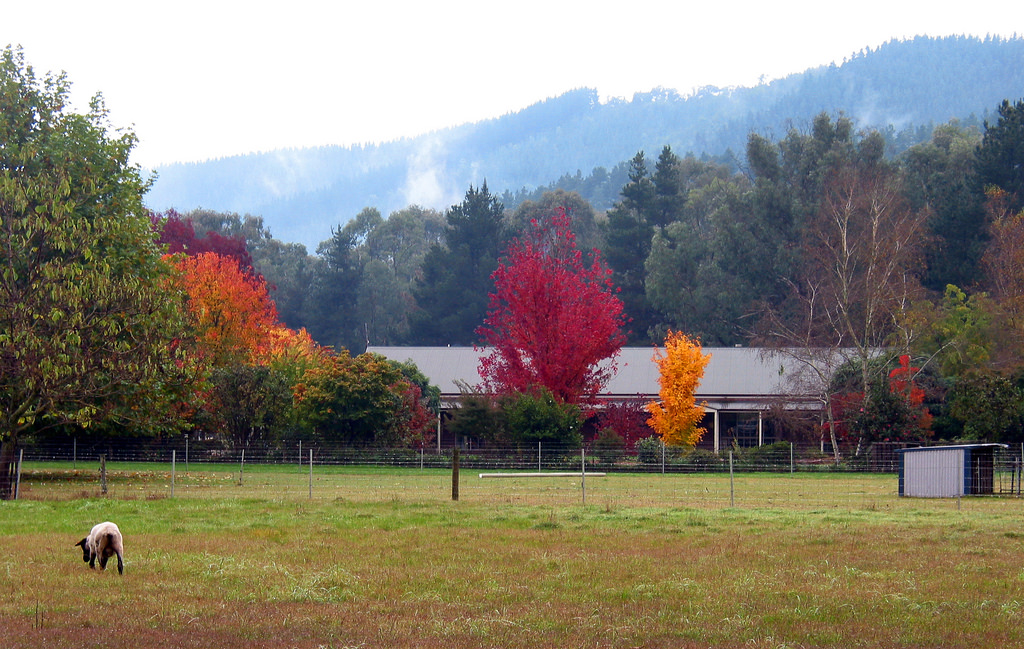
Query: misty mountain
(899, 87)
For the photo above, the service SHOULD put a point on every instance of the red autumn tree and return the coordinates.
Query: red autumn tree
(902, 384)
(893, 411)
(628, 420)
(179, 235)
(554, 320)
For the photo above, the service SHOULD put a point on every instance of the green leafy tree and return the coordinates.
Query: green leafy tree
(940, 178)
(894, 409)
(538, 416)
(360, 401)
(329, 310)
(669, 192)
(989, 407)
(706, 270)
(584, 220)
(90, 328)
(249, 404)
(479, 417)
(393, 255)
(956, 333)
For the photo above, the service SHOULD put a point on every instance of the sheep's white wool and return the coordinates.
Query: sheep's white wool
(103, 542)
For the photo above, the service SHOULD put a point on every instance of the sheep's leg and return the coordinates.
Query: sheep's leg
(103, 562)
(92, 561)
(120, 564)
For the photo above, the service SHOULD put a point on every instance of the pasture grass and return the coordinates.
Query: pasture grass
(384, 558)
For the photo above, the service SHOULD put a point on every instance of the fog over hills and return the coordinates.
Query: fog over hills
(901, 87)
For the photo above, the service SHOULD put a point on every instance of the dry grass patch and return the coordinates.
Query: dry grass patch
(427, 572)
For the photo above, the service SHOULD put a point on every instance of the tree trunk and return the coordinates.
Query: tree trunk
(832, 429)
(8, 467)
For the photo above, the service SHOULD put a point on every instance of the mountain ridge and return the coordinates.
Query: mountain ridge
(303, 193)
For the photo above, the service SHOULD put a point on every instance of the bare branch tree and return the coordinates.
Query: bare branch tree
(862, 256)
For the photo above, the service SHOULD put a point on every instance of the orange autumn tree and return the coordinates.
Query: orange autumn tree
(231, 310)
(676, 414)
(251, 360)
(292, 349)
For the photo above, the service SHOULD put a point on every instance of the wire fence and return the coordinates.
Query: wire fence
(781, 457)
(778, 476)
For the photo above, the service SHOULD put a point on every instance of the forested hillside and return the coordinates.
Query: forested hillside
(901, 88)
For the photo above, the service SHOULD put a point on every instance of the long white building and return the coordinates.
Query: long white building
(741, 385)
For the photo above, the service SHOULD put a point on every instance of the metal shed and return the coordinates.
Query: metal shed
(947, 471)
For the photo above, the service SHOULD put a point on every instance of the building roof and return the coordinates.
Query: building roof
(735, 378)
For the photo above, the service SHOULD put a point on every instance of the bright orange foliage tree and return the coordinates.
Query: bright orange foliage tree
(289, 348)
(231, 310)
(676, 415)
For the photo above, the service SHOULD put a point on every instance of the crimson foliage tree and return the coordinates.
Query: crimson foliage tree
(554, 319)
(179, 235)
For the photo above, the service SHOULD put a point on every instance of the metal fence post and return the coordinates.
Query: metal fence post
(583, 473)
(732, 490)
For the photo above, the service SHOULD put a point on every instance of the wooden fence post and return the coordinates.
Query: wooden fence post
(455, 473)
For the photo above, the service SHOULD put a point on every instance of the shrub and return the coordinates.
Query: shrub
(768, 457)
(648, 450)
(699, 459)
(538, 417)
(609, 446)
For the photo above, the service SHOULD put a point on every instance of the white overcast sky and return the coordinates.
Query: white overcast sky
(200, 80)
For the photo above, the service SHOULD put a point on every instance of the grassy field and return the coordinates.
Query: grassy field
(385, 558)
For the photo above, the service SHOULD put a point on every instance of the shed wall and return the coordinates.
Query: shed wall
(936, 473)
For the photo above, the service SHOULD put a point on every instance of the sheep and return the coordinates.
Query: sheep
(103, 542)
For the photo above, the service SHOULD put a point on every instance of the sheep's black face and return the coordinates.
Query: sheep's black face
(85, 550)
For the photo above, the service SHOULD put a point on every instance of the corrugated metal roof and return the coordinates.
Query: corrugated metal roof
(733, 373)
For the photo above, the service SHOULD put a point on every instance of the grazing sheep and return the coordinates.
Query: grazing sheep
(103, 542)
